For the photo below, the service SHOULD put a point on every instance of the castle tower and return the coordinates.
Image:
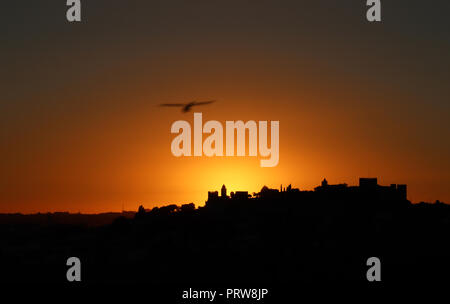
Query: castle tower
(223, 191)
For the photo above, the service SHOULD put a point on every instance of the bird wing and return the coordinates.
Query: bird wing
(204, 102)
(172, 105)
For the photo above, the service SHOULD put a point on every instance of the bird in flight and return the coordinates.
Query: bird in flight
(186, 107)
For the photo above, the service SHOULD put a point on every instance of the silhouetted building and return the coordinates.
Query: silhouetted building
(223, 191)
(266, 192)
(213, 195)
(392, 192)
(288, 189)
(327, 187)
(215, 200)
(241, 195)
(368, 188)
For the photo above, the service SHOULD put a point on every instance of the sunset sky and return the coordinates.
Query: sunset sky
(81, 130)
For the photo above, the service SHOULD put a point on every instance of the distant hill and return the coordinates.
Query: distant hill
(64, 218)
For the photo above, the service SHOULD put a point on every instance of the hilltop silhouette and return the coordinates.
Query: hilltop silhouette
(276, 237)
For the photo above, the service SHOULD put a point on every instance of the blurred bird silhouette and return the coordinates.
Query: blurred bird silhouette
(186, 107)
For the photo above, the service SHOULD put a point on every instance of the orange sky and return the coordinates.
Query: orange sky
(81, 130)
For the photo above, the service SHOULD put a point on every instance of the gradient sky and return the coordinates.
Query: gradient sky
(80, 129)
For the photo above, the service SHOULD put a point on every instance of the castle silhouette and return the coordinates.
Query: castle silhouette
(367, 188)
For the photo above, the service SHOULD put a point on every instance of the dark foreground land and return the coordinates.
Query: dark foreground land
(281, 240)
